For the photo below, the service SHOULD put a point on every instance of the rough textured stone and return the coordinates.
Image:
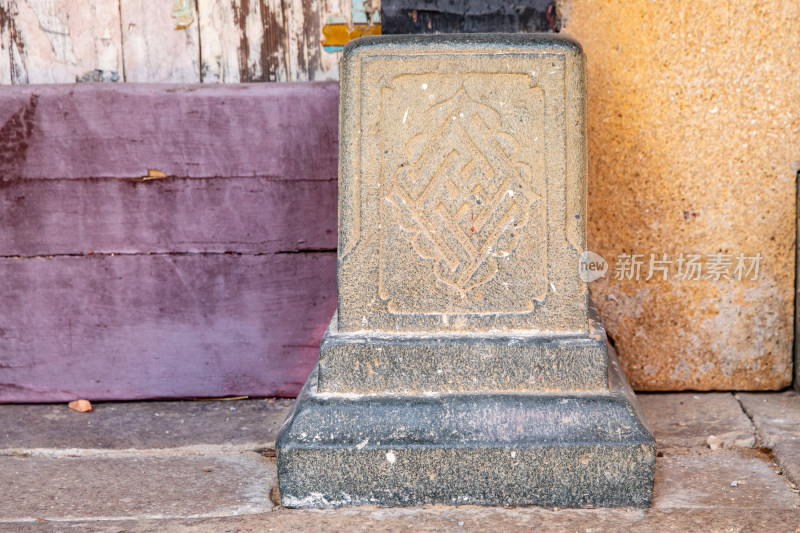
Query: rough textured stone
(133, 486)
(462, 185)
(364, 363)
(694, 145)
(461, 201)
(456, 519)
(743, 478)
(462, 217)
(691, 419)
(142, 424)
(775, 415)
(787, 456)
(796, 380)
(485, 449)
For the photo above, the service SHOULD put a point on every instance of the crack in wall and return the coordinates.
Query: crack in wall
(5, 182)
(150, 254)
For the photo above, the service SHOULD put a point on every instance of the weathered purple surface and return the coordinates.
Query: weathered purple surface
(286, 130)
(217, 280)
(246, 215)
(162, 326)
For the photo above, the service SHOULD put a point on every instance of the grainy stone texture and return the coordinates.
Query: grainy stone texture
(743, 478)
(787, 457)
(462, 187)
(697, 419)
(118, 487)
(694, 144)
(451, 519)
(366, 363)
(796, 380)
(470, 449)
(142, 425)
(775, 415)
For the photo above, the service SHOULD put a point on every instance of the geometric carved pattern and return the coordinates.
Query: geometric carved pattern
(465, 198)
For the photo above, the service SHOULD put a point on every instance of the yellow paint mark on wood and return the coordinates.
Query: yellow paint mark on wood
(152, 174)
(341, 34)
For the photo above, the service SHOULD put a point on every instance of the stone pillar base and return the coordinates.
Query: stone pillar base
(369, 362)
(587, 449)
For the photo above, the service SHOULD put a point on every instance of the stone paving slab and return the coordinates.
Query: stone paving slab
(143, 425)
(699, 478)
(165, 485)
(697, 419)
(127, 487)
(776, 415)
(787, 455)
(449, 519)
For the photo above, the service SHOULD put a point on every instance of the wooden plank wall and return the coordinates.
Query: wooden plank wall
(165, 241)
(64, 41)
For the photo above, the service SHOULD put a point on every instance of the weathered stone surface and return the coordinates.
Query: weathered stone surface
(701, 472)
(796, 380)
(787, 457)
(743, 478)
(133, 487)
(462, 185)
(457, 519)
(485, 449)
(776, 415)
(694, 145)
(692, 419)
(461, 201)
(368, 363)
(142, 425)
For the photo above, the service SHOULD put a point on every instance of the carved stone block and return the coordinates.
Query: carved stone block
(465, 363)
(462, 186)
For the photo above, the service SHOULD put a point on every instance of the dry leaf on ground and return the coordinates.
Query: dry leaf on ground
(82, 406)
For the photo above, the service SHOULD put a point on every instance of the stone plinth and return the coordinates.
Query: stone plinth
(465, 364)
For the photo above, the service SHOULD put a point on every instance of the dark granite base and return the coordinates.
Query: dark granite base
(565, 450)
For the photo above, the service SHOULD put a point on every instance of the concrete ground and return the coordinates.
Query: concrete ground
(726, 462)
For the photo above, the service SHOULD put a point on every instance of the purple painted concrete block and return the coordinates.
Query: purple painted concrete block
(243, 215)
(162, 326)
(216, 280)
(285, 131)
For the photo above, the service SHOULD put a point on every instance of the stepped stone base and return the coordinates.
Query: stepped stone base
(369, 362)
(564, 450)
